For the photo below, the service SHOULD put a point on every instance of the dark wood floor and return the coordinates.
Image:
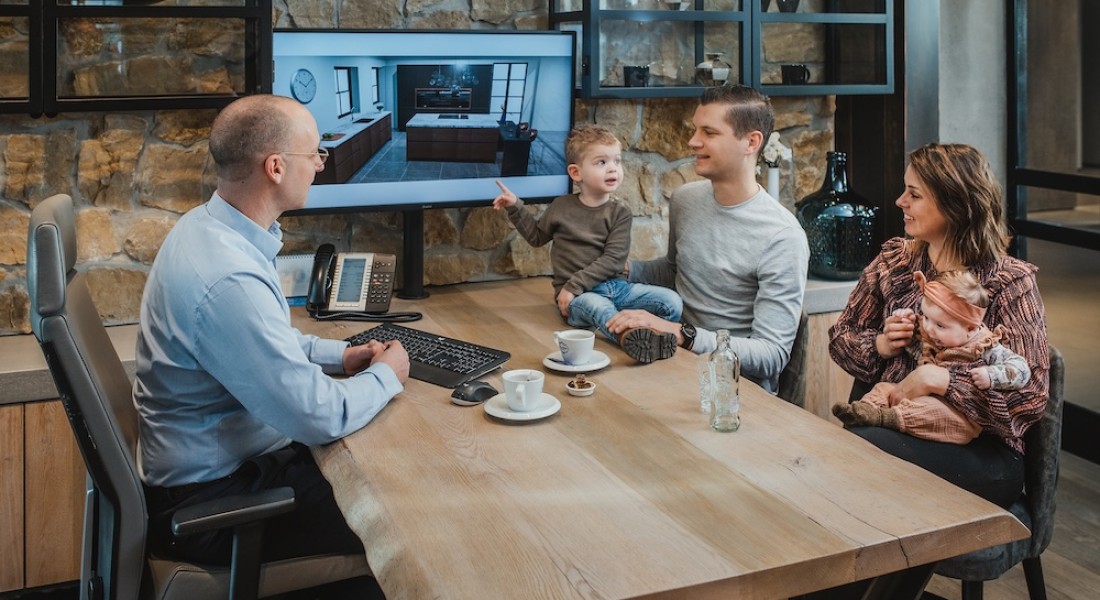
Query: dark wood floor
(1071, 563)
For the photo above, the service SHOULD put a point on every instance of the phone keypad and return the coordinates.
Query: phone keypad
(380, 286)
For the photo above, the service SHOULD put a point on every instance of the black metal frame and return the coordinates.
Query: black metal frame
(1019, 175)
(45, 18)
(751, 20)
(1081, 423)
(589, 17)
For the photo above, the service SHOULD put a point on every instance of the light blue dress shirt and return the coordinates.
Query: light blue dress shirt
(222, 376)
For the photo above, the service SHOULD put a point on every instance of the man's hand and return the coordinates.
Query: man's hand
(629, 319)
(506, 197)
(564, 298)
(357, 358)
(925, 380)
(897, 333)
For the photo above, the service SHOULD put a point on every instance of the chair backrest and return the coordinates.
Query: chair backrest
(96, 393)
(1041, 459)
(792, 380)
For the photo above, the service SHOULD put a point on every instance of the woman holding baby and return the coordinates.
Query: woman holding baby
(954, 221)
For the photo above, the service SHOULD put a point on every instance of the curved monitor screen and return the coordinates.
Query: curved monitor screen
(417, 119)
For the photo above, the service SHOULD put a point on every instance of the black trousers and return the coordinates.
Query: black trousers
(315, 526)
(985, 467)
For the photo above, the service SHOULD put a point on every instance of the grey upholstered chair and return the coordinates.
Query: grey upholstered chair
(96, 393)
(1034, 508)
(792, 380)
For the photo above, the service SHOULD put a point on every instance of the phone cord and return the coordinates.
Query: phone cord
(390, 317)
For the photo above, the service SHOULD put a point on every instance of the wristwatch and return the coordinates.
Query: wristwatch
(688, 331)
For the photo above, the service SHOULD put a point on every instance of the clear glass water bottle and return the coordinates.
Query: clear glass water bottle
(726, 394)
(706, 382)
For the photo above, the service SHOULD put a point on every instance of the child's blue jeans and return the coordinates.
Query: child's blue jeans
(595, 308)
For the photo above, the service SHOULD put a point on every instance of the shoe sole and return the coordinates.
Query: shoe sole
(646, 345)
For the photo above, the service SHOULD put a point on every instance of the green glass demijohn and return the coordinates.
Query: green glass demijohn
(839, 224)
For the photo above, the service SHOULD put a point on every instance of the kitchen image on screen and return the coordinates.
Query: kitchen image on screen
(428, 118)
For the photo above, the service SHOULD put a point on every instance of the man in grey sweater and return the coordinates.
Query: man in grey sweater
(736, 256)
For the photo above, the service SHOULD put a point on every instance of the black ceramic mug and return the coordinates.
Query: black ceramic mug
(636, 76)
(795, 74)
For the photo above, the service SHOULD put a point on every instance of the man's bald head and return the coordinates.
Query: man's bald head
(248, 130)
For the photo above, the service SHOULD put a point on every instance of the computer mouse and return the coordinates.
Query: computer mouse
(473, 392)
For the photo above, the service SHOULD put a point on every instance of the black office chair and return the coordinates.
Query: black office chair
(96, 393)
(792, 380)
(1034, 508)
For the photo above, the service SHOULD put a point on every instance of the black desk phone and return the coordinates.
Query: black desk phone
(354, 286)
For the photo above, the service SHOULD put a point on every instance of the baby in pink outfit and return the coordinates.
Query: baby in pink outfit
(950, 331)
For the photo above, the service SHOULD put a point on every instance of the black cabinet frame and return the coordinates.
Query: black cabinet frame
(752, 21)
(45, 17)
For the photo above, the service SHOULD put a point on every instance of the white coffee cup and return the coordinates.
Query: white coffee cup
(575, 345)
(523, 389)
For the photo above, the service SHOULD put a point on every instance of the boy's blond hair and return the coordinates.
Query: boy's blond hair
(966, 286)
(584, 136)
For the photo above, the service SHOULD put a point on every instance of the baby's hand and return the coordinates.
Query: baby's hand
(980, 375)
(506, 197)
(905, 314)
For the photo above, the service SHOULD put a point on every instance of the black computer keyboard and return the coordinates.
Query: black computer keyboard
(434, 358)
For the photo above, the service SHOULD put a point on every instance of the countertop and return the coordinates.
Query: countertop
(25, 378)
(350, 129)
(447, 121)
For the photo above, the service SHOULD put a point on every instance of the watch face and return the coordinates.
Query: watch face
(303, 86)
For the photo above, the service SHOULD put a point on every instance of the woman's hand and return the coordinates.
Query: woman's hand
(925, 380)
(897, 333)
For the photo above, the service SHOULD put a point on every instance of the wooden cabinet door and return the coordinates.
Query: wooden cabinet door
(827, 383)
(55, 484)
(11, 497)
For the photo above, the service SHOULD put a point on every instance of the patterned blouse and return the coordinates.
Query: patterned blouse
(887, 284)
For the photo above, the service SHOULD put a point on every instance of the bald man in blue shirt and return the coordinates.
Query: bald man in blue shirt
(229, 392)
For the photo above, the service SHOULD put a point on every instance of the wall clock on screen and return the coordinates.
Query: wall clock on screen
(303, 86)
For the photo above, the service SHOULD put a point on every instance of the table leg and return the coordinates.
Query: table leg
(903, 585)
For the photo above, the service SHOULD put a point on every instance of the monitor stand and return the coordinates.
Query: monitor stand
(413, 244)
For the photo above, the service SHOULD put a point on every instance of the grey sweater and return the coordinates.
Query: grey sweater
(741, 268)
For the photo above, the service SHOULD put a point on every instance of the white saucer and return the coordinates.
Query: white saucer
(597, 361)
(497, 406)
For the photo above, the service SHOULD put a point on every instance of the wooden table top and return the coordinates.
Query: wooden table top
(628, 492)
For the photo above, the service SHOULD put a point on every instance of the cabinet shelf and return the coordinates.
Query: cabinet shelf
(842, 47)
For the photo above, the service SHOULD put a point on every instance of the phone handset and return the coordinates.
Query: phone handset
(320, 280)
(353, 286)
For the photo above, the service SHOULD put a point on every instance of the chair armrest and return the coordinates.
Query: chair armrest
(231, 511)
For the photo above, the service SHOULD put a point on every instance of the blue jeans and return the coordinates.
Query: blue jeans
(595, 308)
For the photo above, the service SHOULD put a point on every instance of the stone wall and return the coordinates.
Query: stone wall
(133, 174)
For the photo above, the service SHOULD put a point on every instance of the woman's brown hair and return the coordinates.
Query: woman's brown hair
(963, 186)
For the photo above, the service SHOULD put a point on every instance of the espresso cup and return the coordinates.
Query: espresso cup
(523, 389)
(575, 345)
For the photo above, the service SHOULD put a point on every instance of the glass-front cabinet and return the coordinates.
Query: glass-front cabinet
(668, 48)
(70, 55)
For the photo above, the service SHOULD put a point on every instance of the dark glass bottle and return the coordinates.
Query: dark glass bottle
(839, 224)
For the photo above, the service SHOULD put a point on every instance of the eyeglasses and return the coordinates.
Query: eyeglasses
(321, 153)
